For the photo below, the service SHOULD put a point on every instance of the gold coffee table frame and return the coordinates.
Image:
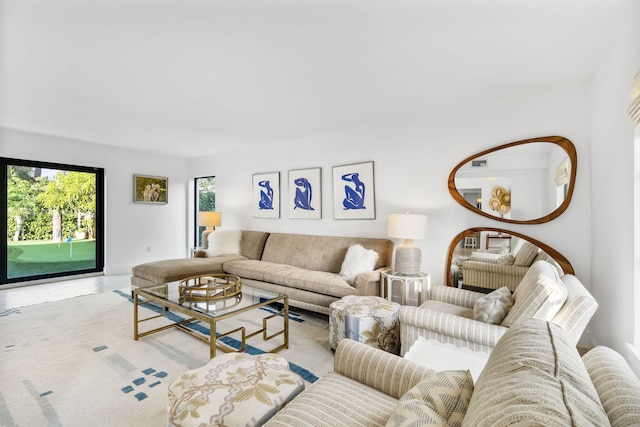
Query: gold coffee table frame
(167, 298)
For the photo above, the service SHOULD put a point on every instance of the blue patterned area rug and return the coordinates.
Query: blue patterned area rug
(74, 362)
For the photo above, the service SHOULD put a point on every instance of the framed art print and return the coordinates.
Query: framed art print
(266, 195)
(305, 193)
(150, 189)
(353, 191)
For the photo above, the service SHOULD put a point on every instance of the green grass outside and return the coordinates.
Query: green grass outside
(36, 257)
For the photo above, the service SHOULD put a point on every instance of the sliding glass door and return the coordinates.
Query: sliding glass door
(53, 216)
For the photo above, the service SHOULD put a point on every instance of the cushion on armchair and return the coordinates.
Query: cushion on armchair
(493, 307)
(540, 295)
(441, 399)
(526, 254)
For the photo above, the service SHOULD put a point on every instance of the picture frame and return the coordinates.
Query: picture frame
(354, 191)
(305, 193)
(266, 195)
(150, 189)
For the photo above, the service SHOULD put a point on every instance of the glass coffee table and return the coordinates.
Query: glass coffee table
(171, 298)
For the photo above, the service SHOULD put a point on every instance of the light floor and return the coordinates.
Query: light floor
(15, 297)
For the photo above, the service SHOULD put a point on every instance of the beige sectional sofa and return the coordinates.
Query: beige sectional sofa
(534, 377)
(304, 267)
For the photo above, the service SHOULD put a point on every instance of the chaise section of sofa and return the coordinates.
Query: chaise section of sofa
(170, 270)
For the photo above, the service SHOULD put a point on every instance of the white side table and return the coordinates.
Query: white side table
(420, 284)
(444, 356)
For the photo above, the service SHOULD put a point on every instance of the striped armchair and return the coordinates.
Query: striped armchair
(448, 315)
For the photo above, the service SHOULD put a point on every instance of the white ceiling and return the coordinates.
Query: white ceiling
(194, 77)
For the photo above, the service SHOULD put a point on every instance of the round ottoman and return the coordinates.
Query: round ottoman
(367, 319)
(233, 389)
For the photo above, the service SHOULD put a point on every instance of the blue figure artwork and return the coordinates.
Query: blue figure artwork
(303, 196)
(354, 196)
(266, 196)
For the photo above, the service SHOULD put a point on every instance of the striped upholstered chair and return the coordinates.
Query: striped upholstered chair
(458, 316)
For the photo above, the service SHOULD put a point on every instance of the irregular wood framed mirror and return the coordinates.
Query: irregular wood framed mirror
(485, 258)
(523, 182)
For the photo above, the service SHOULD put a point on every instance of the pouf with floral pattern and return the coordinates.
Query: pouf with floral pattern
(233, 389)
(368, 319)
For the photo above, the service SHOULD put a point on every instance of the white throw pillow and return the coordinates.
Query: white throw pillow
(358, 260)
(224, 242)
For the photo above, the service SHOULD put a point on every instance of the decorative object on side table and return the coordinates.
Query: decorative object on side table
(408, 227)
(209, 220)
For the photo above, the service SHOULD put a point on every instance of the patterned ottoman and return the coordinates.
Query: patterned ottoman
(370, 320)
(233, 389)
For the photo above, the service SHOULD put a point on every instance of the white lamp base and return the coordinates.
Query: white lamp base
(408, 260)
(204, 238)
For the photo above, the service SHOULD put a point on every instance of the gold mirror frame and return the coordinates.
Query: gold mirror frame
(557, 256)
(564, 143)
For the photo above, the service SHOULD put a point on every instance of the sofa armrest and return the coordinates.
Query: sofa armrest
(446, 328)
(378, 369)
(368, 283)
(455, 296)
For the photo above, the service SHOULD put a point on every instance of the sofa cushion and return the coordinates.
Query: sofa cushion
(320, 253)
(357, 260)
(526, 254)
(441, 399)
(493, 308)
(540, 294)
(616, 384)
(507, 259)
(294, 277)
(534, 376)
(223, 242)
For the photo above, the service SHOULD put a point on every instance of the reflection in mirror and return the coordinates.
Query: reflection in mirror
(524, 182)
(485, 259)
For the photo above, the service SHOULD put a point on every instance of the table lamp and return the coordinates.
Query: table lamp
(408, 227)
(209, 220)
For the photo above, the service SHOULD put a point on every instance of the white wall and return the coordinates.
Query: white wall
(412, 163)
(612, 208)
(130, 228)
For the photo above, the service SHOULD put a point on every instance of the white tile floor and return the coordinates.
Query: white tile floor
(53, 291)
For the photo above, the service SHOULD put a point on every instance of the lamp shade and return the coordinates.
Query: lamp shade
(407, 226)
(209, 219)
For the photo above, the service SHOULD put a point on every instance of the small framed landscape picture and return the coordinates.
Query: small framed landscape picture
(353, 191)
(266, 195)
(150, 189)
(305, 193)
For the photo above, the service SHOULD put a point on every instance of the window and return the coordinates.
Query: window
(52, 215)
(205, 200)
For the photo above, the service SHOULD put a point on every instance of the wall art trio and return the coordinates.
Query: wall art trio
(353, 193)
